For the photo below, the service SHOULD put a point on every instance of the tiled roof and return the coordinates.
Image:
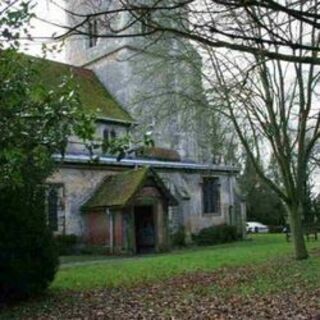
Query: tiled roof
(93, 95)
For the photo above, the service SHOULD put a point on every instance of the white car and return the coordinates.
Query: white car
(256, 227)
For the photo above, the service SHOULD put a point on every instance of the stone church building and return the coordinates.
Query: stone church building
(135, 204)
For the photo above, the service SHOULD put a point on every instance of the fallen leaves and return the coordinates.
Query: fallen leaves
(217, 295)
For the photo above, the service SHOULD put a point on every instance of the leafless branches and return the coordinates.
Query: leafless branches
(231, 24)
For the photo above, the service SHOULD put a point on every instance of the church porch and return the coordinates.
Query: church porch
(128, 213)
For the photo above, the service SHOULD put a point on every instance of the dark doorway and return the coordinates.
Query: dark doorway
(144, 229)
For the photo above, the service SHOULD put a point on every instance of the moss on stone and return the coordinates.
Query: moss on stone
(159, 154)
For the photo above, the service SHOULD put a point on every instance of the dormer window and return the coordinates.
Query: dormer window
(93, 32)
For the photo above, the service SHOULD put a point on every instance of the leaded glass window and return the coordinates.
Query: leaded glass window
(211, 195)
(53, 206)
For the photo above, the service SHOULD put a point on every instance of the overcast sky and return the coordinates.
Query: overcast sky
(49, 12)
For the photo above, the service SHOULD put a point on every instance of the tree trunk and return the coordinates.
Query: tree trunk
(295, 217)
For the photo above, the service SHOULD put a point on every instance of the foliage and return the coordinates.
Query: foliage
(276, 228)
(316, 207)
(94, 250)
(34, 124)
(178, 239)
(28, 256)
(262, 203)
(66, 243)
(14, 17)
(265, 206)
(126, 145)
(222, 233)
(312, 208)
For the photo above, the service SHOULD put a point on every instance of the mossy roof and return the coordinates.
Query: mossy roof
(93, 95)
(159, 154)
(117, 190)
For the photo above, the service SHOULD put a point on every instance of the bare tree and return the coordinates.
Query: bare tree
(214, 23)
(276, 105)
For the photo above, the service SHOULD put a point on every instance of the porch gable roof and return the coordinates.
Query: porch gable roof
(117, 190)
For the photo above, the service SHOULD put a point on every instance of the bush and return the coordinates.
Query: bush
(66, 244)
(28, 255)
(94, 250)
(276, 229)
(178, 238)
(216, 234)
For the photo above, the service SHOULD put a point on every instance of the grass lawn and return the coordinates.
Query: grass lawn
(115, 272)
(252, 279)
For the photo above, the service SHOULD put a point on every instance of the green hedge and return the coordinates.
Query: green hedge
(66, 244)
(216, 234)
(178, 238)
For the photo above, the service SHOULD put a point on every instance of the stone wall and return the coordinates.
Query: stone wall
(80, 183)
(76, 145)
(161, 87)
(187, 187)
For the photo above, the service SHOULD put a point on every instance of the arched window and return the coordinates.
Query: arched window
(211, 195)
(105, 141)
(105, 135)
(113, 134)
(92, 32)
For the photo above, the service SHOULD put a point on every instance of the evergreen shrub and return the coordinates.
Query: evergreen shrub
(94, 250)
(28, 255)
(66, 244)
(222, 233)
(276, 229)
(178, 238)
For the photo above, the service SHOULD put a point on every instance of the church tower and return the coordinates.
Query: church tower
(152, 77)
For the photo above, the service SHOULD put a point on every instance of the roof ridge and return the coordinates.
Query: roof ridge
(56, 61)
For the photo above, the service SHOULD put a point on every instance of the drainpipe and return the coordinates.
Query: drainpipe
(231, 199)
